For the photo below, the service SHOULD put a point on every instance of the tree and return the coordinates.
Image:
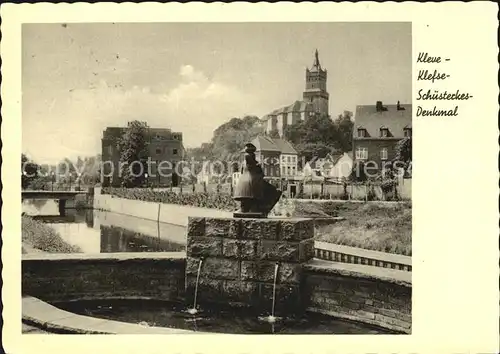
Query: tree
(29, 172)
(313, 137)
(133, 154)
(274, 134)
(79, 168)
(230, 138)
(358, 172)
(403, 155)
(344, 126)
(311, 150)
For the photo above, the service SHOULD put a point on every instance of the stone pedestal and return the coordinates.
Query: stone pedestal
(239, 258)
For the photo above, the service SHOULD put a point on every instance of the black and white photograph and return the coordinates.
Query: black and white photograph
(270, 178)
(230, 178)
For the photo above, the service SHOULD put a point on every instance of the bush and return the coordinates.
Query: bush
(81, 204)
(371, 196)
(202, 200)
(387, 185)
(43, 237)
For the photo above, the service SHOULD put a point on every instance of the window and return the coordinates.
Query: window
(361, 153)
(110, 150)
(384, 132)
(174, 151)
(294, 159)
(283, 158)
(288, 159)
(383, 154)
(288, 170)
(175, 137)
(283, 171)
(158, 151)
(407, 132)
(361, 133)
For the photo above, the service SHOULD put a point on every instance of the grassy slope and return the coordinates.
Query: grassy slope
(385, 227)
(40, 236)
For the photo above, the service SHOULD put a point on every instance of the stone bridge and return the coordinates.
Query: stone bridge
(60, 196)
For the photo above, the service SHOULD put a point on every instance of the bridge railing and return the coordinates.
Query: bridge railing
(345, 254)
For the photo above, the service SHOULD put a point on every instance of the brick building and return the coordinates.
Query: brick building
(163, 145)
(377, 130)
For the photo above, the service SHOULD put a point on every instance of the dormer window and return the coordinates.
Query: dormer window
(361, 133)
(384, 132)
(407, 132)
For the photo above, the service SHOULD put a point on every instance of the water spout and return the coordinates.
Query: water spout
(272, 319)
(274, 292)
(194, 310)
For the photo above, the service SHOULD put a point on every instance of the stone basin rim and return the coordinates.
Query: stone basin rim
(105, 326)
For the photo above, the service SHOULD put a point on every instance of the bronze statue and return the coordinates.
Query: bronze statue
(256, 196)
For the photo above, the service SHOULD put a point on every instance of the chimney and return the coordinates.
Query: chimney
(379, 106)
(400, 108)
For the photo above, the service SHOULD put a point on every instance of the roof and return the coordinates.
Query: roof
(265, 143)
(119, 131)
(316, 67)
(285, 147)
(326, 162)
(393, 119)
(297, 106)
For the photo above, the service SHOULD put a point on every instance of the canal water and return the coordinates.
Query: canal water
(94, 231)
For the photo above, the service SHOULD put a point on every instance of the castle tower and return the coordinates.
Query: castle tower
(316, 87)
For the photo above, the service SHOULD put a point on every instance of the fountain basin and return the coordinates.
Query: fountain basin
(168, 315)
(353, 292)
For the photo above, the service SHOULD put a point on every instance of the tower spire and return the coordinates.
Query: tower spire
(316, 64)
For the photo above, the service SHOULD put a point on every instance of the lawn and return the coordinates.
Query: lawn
(385, 227)
(42, 237)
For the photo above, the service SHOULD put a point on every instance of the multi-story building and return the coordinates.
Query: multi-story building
(377, 130)
(277, 157)
(315, 100)
(165, 150)
(335, 166)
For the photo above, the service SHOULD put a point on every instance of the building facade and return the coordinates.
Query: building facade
(377, 130)
(277, 157)
(334, 166)
(315, 100)
(165, 150)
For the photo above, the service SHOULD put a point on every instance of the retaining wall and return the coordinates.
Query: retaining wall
(360, 293)
(166, 213)
(79, 276)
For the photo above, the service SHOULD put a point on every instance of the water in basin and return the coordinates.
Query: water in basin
(94, 231)
(215, 319)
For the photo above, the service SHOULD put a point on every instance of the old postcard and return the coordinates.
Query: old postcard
(250, 173)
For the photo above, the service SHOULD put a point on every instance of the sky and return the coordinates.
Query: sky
(78, 78)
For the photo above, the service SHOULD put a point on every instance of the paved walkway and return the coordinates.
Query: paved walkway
(54, 319)
(362, 271)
